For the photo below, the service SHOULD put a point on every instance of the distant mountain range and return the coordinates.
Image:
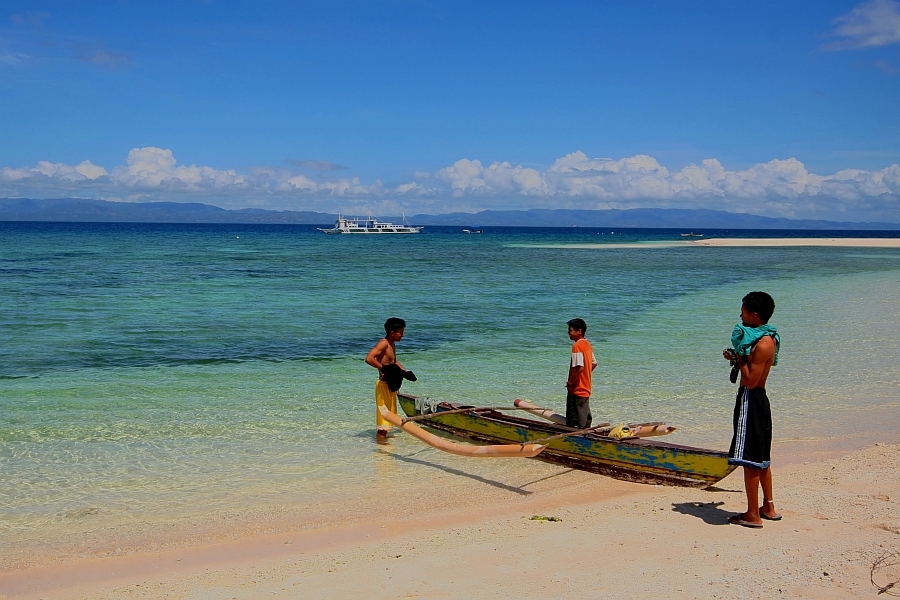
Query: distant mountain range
(103, 211)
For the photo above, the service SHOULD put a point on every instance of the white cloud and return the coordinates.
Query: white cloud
(871, 24)
(469, 176)
(333, 187)
(155, 168)
(777, 188)
(83, 171)
(780, 187)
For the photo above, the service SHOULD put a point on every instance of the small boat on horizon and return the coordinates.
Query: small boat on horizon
(368, 225)
(474, 229)
(691, 234)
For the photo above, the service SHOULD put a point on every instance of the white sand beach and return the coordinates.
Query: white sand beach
(612, 537)
(728, 242)
(785, 242)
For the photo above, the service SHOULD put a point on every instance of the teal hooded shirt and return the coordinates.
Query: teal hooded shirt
(743, 338)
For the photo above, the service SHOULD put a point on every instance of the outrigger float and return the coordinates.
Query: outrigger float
(631, 457)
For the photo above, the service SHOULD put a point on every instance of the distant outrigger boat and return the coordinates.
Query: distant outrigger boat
(692, 234)
(368, 225)
(473, 230)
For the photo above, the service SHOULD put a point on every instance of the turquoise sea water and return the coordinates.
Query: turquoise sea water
(151, 370)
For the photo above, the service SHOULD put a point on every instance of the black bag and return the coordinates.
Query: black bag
(393, 376)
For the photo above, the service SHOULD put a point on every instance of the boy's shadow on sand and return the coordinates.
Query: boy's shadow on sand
(708, 511)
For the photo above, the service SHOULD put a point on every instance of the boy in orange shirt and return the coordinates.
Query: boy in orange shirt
(578, 386)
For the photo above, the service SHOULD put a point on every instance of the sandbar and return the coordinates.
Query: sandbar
(779, 242)
(728, 242)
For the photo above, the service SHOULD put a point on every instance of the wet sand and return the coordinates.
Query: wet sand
(840, 515)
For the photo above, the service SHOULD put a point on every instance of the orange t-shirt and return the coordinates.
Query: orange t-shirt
(583, 356)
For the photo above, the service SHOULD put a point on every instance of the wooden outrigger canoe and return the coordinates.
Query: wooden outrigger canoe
(632, 459)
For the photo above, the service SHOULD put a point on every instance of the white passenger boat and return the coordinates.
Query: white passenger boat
(369, 224)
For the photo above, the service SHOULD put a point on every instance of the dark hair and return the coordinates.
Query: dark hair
(578, 325)
(760, 303)
(393, 324)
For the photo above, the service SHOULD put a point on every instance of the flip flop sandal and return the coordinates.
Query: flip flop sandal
(739, 520)
(777, 517)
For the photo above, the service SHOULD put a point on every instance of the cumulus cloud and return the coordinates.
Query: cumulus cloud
(780, 187)
(84, 171)
(469, 176)
(871, 24)
(156, 169)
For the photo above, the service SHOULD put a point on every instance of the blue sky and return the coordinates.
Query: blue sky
(774, 108)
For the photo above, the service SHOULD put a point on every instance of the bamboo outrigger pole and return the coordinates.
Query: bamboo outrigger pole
(497, 451)
(454, 411)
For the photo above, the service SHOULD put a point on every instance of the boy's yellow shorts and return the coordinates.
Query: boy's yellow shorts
(386, 398)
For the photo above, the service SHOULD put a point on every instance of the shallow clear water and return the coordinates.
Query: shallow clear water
(152, 370)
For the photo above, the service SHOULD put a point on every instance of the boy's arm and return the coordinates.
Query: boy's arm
(574, 374)
(373, 358)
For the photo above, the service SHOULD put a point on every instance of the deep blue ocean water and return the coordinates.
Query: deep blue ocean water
(162, 368)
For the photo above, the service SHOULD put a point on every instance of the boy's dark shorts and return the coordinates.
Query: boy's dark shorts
(751, 444)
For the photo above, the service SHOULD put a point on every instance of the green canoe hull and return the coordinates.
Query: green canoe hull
(638, 460)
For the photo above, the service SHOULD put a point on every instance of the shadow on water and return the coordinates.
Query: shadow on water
(452, 471)
(708, 511)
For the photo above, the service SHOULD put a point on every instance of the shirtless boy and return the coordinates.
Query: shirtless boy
(384, 353)
(756, 345)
